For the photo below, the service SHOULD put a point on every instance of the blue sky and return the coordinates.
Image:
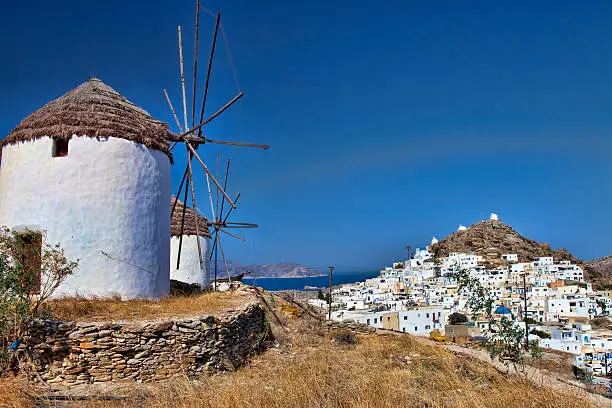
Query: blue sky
(390, 122)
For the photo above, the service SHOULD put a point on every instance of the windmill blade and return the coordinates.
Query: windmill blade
(180, 41)
(202, 140)
(224, 186)
(232, 235)
(214, 247)
(240, 225)
(178, 193)
(195, 62)
(216, 258)
(209, 173)
(242, 144)
(178, 258)
(224, 259)
(210, 62)
(233, 225)
(195, 209)
(212, 208)
(210, 119)
(178, 123)
(217, 191)
(231, 209)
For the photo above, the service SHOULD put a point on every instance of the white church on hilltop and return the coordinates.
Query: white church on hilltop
(93, 170)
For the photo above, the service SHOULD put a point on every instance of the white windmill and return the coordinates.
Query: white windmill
(191, 136)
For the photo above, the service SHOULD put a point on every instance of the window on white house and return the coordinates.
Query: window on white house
(60, 148)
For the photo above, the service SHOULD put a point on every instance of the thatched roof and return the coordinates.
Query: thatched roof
(189, 228)
(93, 109)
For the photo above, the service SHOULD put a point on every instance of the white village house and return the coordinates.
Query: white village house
(93, 171)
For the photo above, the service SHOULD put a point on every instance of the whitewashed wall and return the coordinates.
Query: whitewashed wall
(189, 270)
(108, 195)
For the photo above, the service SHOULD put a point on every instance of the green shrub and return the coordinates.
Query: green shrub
(457, 318)
(30, 271)
(541, 334)
(343, 337)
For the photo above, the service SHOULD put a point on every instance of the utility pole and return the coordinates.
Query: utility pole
(525, 311)
(331, 271)
(408, 247)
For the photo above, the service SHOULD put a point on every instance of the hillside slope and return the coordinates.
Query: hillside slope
(313, 365)
(493, 238)
(600, 271)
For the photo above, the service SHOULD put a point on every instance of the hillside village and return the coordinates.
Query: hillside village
(417, 296)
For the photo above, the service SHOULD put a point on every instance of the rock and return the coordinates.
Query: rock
(163, 326)
(187, 330)
(189, 324)
(124, 336)
(86, 327)
(75, 370)
(134, 330)
(87, 346)
(142, 354)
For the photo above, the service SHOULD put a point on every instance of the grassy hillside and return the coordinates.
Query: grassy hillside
(306, 369)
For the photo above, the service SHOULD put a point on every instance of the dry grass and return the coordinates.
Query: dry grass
(81, 309)
(14, 393)
(309, 370)
(381, 371)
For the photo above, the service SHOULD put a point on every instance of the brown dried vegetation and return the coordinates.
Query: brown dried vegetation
(103, 309)
(308, 370)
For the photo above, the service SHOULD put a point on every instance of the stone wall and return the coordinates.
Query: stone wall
(77, 353)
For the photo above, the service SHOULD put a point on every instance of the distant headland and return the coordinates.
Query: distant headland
(272, 270)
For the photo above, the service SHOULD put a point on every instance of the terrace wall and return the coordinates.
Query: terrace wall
(77, 353)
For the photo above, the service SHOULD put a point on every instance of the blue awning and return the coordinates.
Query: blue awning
(502, 310)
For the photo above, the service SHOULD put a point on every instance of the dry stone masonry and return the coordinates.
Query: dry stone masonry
(79, 353)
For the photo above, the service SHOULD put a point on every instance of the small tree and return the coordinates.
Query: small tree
(457, 318)
(504, 337)
(321, 295)
(541, 334)
(603, 306)
(480, 301)
(25, 287)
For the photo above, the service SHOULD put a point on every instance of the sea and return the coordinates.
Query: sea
(310, 283)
